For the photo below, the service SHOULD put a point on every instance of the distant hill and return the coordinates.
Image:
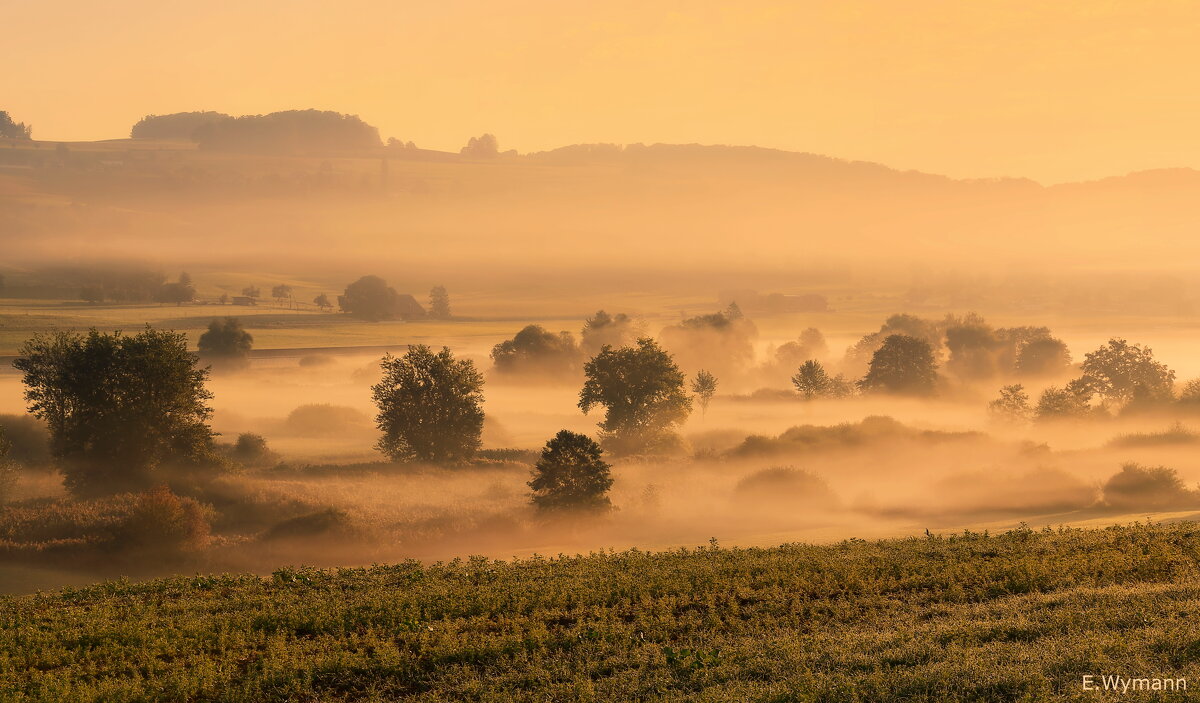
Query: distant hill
(179, 125)
(287, 132)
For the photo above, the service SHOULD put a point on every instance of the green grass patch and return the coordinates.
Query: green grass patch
(1020, 616)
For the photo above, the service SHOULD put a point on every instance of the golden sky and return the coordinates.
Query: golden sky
(1051, 89)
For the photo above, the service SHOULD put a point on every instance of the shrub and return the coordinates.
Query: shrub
(1137, 487)
(251, 450)
(163, 521)
(785, 487)
(323, 420)
(329, 522)
(571, 475)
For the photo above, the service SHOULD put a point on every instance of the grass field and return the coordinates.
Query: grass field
(1020, 616)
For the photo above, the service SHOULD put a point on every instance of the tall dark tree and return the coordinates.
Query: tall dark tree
(571, 475)
(439, 303)
(902, 365)
(120, 409)
(429, 406)
(179, 292)
(322, 301)
(642, 391)
(281, 292)
(226, 341)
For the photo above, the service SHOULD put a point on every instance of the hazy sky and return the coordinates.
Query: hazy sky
(1052, 89)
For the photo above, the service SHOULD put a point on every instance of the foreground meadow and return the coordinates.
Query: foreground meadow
(1018, 616)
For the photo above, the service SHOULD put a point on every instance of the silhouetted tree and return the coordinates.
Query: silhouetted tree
(1012, 406)
(224, 299)
(439, 303)
(370, 298)
(600, 329)
(704, 385)
(902, 365)
(811, 380)
(1071, 402)
(429, 406)
(322, 301)
(179, 292)
(1045, 356)
(281, 292)
(483, 147)
(252, 292)
(226, 341)
(534, 349)
(642, 391)
(1122, 372)
(14, 130)
(571, 475)
(119, 408)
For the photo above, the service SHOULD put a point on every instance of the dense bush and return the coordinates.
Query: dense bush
(1137, 487)
(323, 524)
(785, 487)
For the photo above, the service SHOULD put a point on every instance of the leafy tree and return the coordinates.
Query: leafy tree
(534, 349)
(571, 475)
(120, 409)
(858, 356)
(1071, 402)
(226, 340)
(224, 299)
(281, 292)
(602, 328)
(902, 365)
(370, 298)
(642, 391)
(439, 303)
(322, 301)
(812, 340)
(1045, 356)
(704, 386)
(811, 380)
(733, 311)
(1122, 372)
(14, 130)
(974, 349)
(1012, 406)
(252, 292)
(429, 406)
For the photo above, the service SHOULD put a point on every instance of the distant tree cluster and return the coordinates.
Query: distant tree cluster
(14, 130)
(722, 342)
(179, 125)
(604, 329)
(371, 298)
(537, 350)
(291, 131)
